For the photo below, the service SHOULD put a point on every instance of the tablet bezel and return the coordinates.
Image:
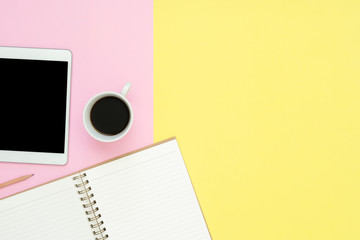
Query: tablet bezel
(50, 55)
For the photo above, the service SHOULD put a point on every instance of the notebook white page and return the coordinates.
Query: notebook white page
(148, 195)
(52, 211)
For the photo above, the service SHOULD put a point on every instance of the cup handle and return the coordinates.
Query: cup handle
(125, 89)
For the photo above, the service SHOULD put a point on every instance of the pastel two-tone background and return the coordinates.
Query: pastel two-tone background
(263, 97)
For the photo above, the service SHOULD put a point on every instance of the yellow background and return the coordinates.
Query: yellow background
(264, 99)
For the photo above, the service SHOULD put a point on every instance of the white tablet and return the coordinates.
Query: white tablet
(34, 105)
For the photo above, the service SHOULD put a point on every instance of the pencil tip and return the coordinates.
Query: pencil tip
(32, 174)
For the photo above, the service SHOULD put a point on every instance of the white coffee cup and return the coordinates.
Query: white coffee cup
(90, 128)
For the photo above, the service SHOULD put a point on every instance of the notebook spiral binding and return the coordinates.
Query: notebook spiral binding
(91, 211)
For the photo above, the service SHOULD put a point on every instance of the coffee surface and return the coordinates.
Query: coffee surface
(110, 115)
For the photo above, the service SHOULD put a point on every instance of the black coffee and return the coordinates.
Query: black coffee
(110, 115)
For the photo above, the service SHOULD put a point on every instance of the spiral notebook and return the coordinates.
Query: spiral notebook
(146, 194)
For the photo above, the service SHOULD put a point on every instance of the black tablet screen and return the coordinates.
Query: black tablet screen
(33, 105)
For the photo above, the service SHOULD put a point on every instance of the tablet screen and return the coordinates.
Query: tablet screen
(33, 105)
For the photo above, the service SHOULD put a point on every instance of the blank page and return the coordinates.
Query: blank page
(148, 195)
(51, 211)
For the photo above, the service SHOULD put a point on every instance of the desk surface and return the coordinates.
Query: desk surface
(263, 97)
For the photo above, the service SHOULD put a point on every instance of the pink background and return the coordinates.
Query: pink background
(112, 43)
